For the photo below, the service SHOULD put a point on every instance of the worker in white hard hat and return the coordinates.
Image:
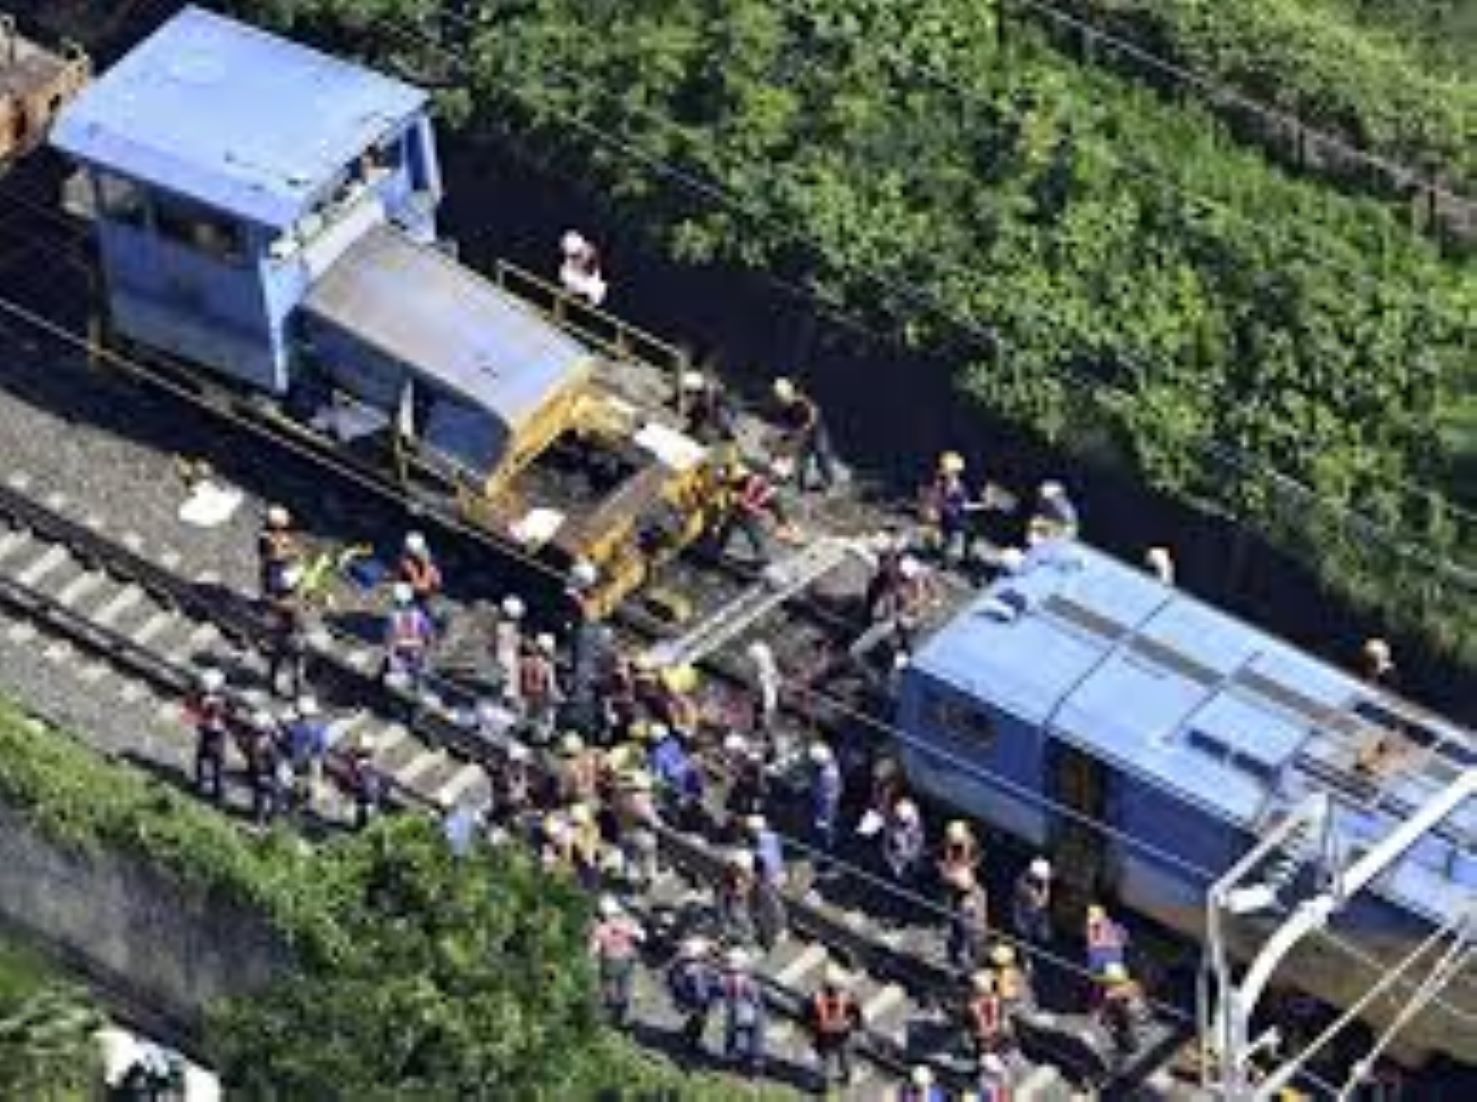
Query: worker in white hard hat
(307, 745)
(1377, 664)
(210, 712)
(903, 840)
(540, 691)
(694, 985)
(921, 1087)
(804, 439)
(899, 607)
(579, 268)
(744, 1014)
(826, 791)
(408, 638)
(1056, 516)
(835, 1018)
(507, 649)
(418, 569)
(708, 414)
(1030, 903)
(277, 548)
(615, 942)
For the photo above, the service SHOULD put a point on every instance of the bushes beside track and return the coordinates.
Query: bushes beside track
(1313, 59)
(420, 975)
(1102, 265)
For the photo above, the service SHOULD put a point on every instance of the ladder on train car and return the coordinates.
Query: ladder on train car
(779, 582)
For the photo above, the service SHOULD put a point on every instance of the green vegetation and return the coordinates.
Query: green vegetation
(1239, 334)
(420, 975)
(47, 1051)
(1314, 59)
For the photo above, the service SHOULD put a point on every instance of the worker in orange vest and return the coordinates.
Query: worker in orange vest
(985, 1014)
(418, 569)
(615, 943)
(835, 1017)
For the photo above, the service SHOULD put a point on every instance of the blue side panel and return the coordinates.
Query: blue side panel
(1183, 848)
(170, 298)
(981, 760)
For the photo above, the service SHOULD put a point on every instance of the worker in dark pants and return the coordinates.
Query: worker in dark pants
(1030, 905)
(277, 549)
(265, 768)
(615, 942)
(693, 985)
(708, 416)
(211, 718)
(755, 511)
(806, 443)
(287, 629)
(835, 1017)
(743, 1004)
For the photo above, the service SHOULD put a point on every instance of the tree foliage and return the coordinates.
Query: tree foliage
(1095, 256)
(1314, 59)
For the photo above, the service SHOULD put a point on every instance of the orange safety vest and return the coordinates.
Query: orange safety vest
(832, 1013)
(536, 678)
(756, 494)
(422, 575)
(986, 1017)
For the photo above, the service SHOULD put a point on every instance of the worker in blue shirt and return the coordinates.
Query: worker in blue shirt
(743, 1004)
(673, 769)
(307, 744)
(826, 790)
(693, 983)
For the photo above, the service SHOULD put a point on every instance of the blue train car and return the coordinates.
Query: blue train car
(1078, 688)
(212, 227)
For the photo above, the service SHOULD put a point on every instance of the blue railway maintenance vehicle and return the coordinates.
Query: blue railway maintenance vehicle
(1077, 690)
(266, 215)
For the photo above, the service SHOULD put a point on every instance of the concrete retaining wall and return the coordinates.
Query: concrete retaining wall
(164, 947)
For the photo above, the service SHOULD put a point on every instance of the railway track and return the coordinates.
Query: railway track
(113, 617)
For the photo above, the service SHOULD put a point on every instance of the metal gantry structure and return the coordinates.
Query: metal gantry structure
(1257, 883)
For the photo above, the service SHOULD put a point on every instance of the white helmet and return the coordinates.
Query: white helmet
(785, 390)
(1052, 488)
(909, 567)
(693, 381)
(307, 707)
(1041, 868)
(835, 976)
(415, 543)
(583, 574)
(760, 653)
(572, 243)
(212, 680)
(517, 752)
(278, 516)
(403, 593)
(906, 810)
(736, 958)
(292, 576)
(922, 1076)
(513, 608)
(545, 642)
(609, 907)
(821, 754)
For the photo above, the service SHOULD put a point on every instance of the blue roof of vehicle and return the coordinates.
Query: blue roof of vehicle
(1192, 700)
(242, 120)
